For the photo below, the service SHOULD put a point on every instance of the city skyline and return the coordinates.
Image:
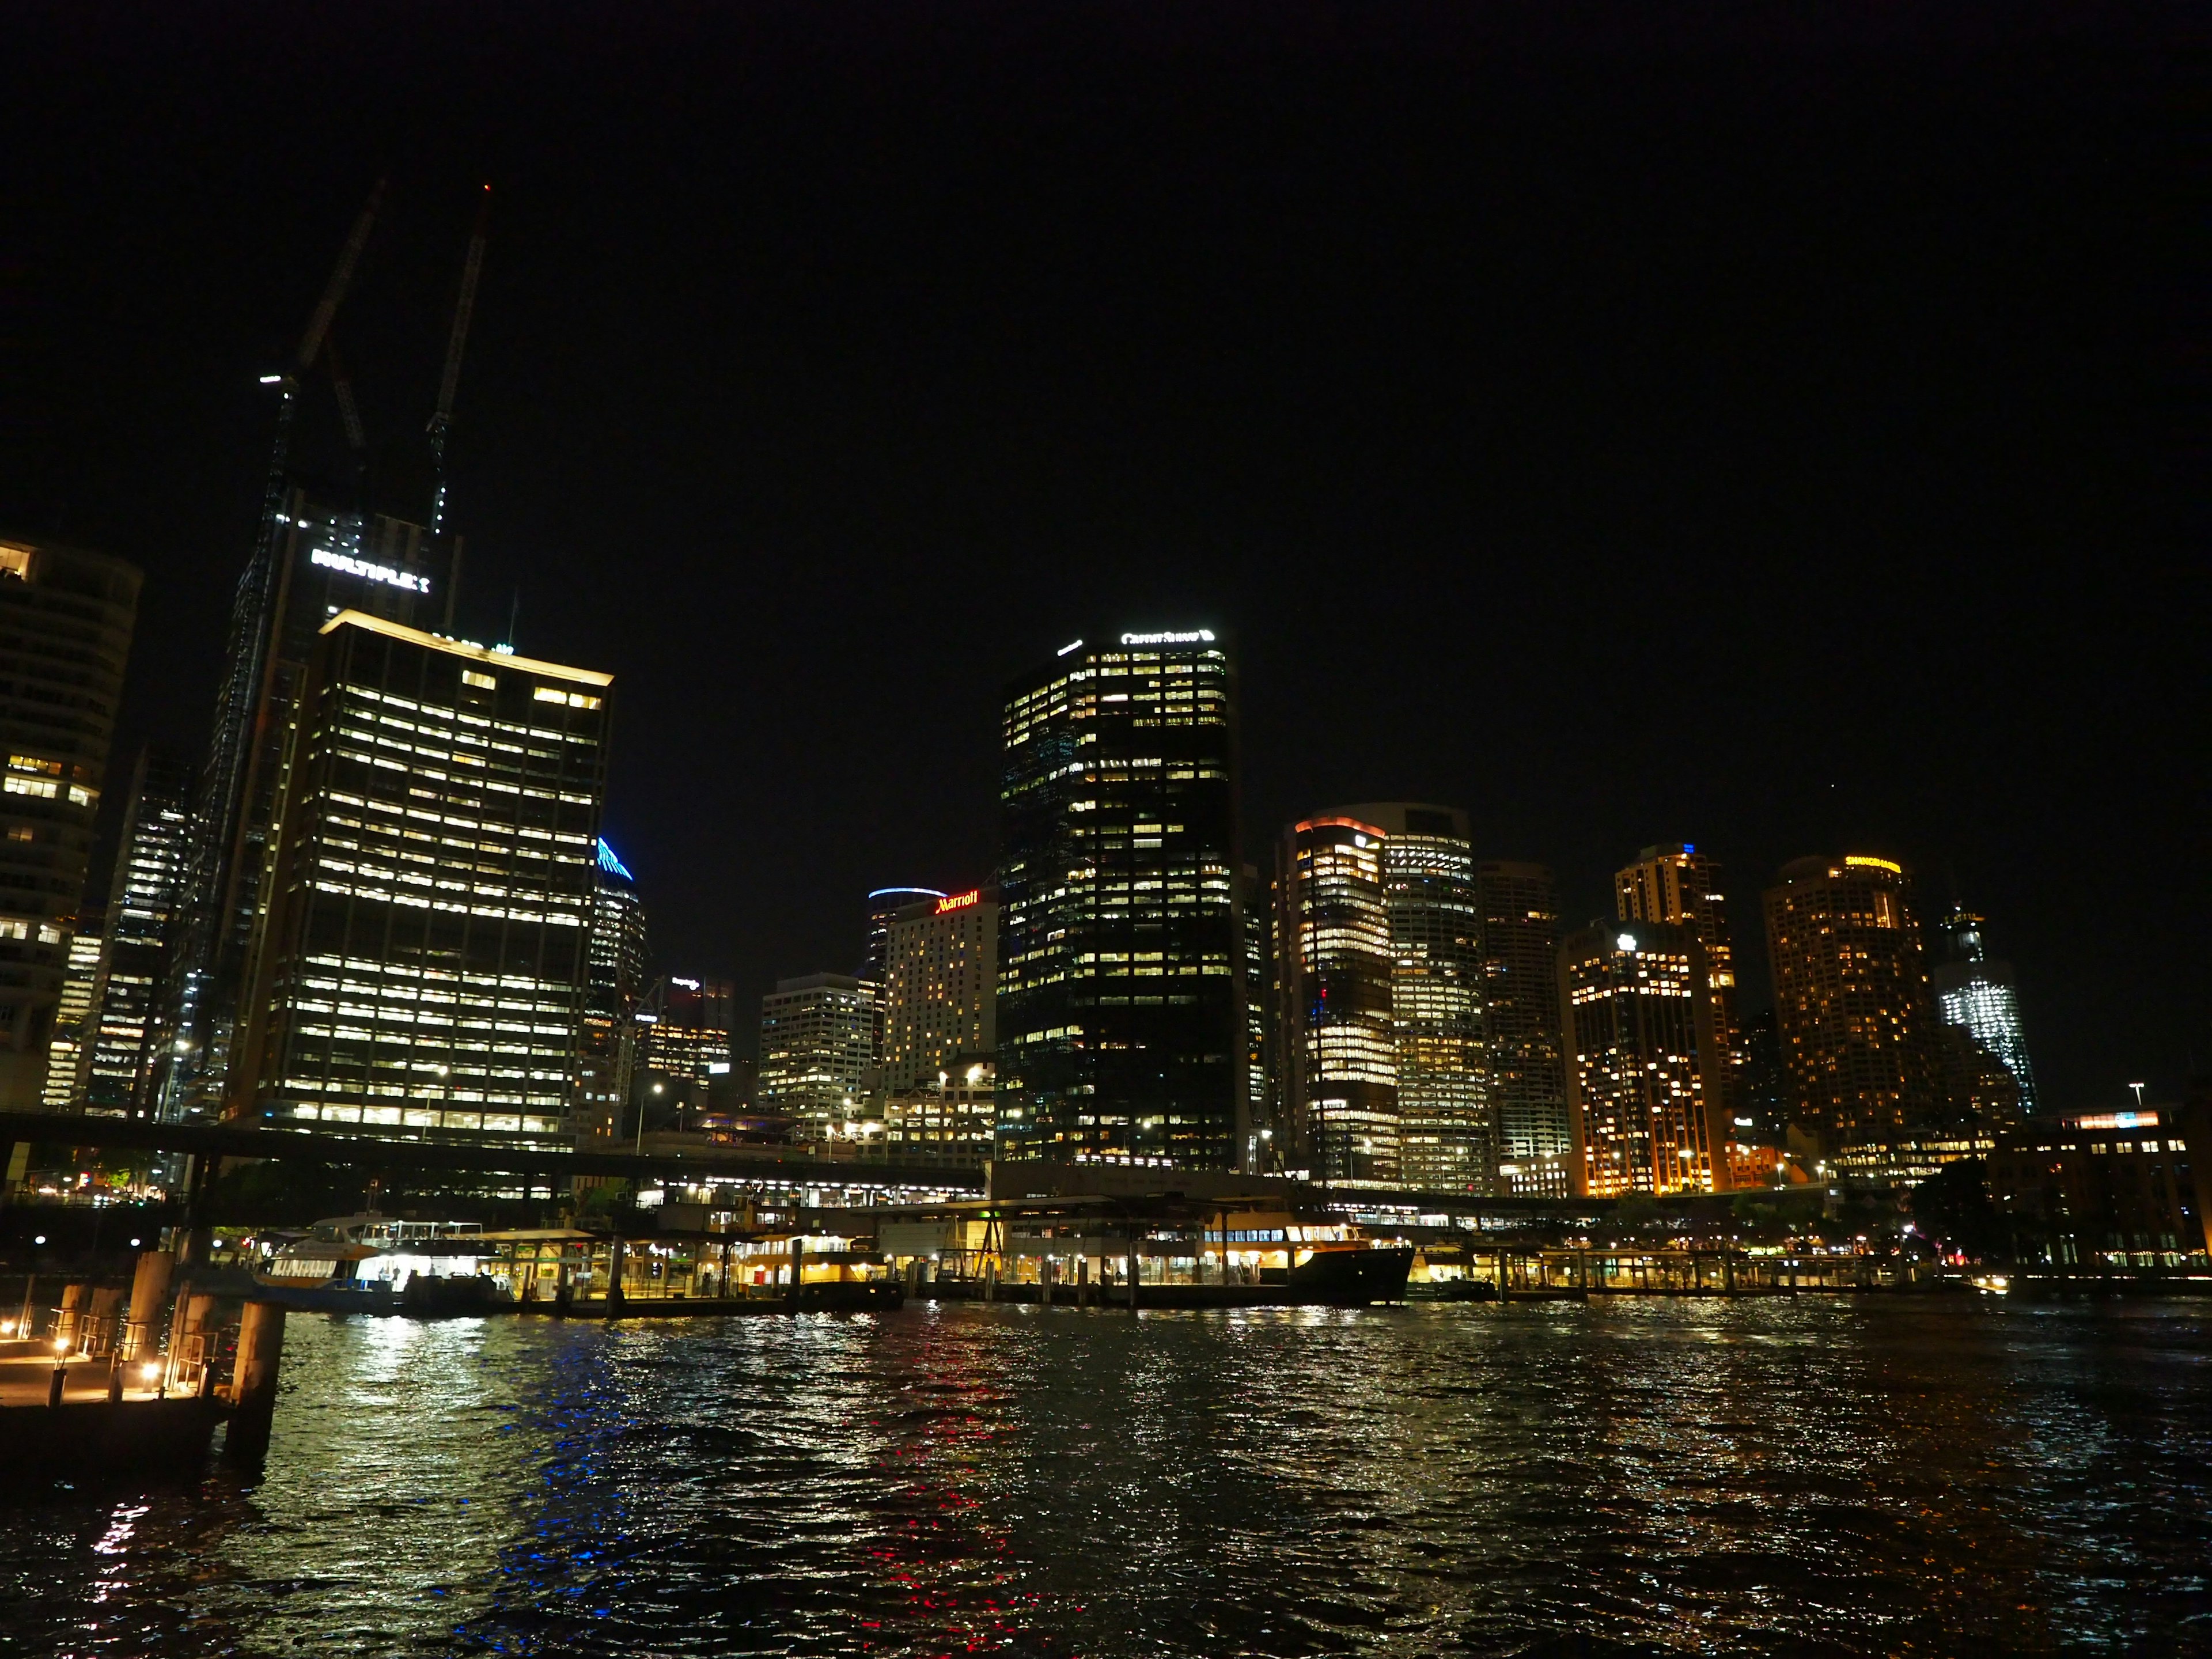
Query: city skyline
(801, 491)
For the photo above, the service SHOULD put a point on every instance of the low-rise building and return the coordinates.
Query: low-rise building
(2114, 1190)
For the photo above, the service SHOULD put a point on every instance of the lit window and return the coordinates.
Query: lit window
(470, 677)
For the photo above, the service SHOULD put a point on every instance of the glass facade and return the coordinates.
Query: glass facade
(1122, 1014)
(1339, 1044)
(1521, 1002)
(1975, 994)
(425, 965)
(141, 916)
(1643, 1061)
(312, 561)
(615, 982)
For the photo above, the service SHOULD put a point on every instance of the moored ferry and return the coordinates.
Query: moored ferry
(379, 1264)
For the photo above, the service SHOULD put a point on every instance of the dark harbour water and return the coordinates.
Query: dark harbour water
(1864, 1476)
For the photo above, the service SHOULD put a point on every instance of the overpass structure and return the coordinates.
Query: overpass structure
(873, 1179)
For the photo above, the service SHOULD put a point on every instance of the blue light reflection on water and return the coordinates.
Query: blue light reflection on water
(1805, 1477)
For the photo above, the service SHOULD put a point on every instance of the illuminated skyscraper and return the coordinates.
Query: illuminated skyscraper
(313, 559)
(66, 1049)
(425, 964)
(1850, 998)
(1122, 1000)
(885, 905)
(687, 1031)
(1340, 1071)
(1644, 1070)
(940, 993)
(1976, 992)
(607, 1046)
(135, 952)
(1680, 886)
(1447, 1140)
(65, 622)
(1521, 1002)
(817, 1043)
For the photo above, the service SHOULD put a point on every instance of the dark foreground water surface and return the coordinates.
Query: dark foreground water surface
(1816, 1476)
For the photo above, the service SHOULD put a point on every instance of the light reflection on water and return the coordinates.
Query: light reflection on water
(1803, 1477)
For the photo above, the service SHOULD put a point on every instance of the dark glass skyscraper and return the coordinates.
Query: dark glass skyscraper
(607, 1045)
(1975, 992)
(1521, 997)
(1122, 1011)
(134, 951)
(312, 561)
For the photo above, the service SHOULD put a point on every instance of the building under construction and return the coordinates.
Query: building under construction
(345, 527)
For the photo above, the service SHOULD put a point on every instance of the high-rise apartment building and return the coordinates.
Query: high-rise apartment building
(1975, 992)
(66, 1051)
(312, 561)
(65, 622)
(687, 1030)
(1680, 886)
(1850, 998)
(1527, 1082)
(1645, 1071)
(940, 988)
(1340, 1053)
(1121, 998)
(1255, 913)
(136, 948)
(425, 964)
(1446, 1140)
(817, 1044)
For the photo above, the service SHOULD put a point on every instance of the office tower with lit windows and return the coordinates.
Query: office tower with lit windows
(312, 561)
(686, 1032)
(1340, 1076)
(817, 1043)
(425, 965)
(1975, 993)
(1122, 997)
(135, 951)
(1525, 1078)
(65, 1051)
(953, 1113)
(606, 1055)
(1256, 911)
(1680, 886)
(1645, 1073)
(940, 992)
(1447, 1140)
(1850, 998)
(65, 622)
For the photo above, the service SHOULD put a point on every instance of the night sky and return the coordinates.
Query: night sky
(1759, 428)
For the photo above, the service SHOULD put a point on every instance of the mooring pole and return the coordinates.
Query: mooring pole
(253, 1381)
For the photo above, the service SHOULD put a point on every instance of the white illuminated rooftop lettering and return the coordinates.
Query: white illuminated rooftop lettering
(375, 572)
(1202, 636)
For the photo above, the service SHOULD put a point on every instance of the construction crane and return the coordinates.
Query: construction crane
(342, 383)
(442, 418)
(311, 346)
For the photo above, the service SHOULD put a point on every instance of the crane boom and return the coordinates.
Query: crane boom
(449, 382)
(342, 383)
(318, 325)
